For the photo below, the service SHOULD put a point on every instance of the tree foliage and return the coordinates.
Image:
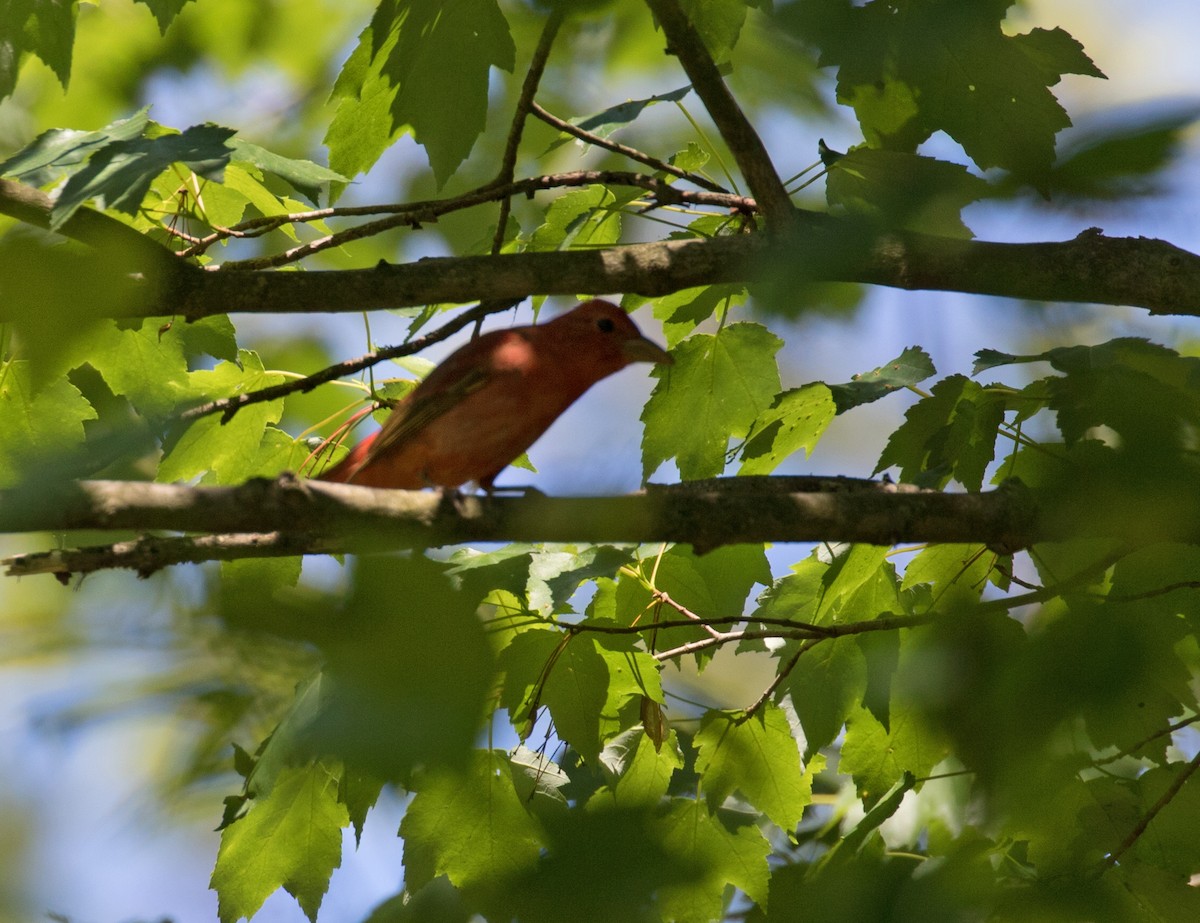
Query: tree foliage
(967, 731)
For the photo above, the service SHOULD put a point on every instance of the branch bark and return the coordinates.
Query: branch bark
(1091, 268)
(287, 516)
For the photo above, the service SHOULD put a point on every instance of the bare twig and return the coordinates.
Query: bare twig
(752, 158)
(1149, 739)
(624, 150)
(228, 406)
(1126, 844)
(419, 213)
(508, 162)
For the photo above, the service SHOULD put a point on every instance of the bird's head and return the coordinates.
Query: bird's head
(605, 329)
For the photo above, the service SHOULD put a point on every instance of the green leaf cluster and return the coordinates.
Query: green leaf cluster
(952, 732)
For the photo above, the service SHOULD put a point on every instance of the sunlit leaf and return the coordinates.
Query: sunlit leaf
(756, 756)
(717, 386)
(292, 838)
(419, 67)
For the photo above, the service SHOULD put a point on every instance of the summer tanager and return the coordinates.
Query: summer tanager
(490, 400)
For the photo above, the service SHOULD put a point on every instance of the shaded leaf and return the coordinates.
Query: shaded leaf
(905, 190)
(45, 28)
(756, 756)
(120, 172)
(37, 426)
(604, 123)
(910, 367)
(736, 857)
(58, 151)
(470, 826)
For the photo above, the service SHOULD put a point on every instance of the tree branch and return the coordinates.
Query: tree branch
(96, 229)
(418, 213)
(752, 158)
(316, 517)
(1091, 268)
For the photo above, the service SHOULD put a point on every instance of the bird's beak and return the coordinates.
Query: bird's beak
(643, 350)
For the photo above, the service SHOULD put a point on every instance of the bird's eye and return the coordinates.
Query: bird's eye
(604, 324)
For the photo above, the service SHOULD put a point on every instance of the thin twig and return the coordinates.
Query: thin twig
(228, 406)
(429, 212)
(1149, 739)
(1126, 844)
(624, 150)
(508, 163)
(783, 674)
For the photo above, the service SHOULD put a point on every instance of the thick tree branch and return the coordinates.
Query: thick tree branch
(1091, 268)
(752, 158)
(96, 229)
(315, 517)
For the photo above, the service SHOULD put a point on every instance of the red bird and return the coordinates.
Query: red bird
(490, 400)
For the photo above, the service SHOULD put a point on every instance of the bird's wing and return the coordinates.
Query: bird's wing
(411, 417)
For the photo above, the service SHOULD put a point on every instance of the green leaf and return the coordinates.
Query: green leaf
(580, 218)
(358, 792)
(878, 757)
(795, 421)
(913, 69)
(408, 668)
(555, 575)
(718, 23)
(45, 28)
(859, 586)
(1170, 842)
(736, 857)
(713, 584)
(120, 172)
(797, 595)
(260, 578)
(826, 685)
(291, 838)
(37, 425)
(683, 311)
(305, 176)
(165, 11)
(910, 367)
(421, 66)
(228, 451)
(146, 365)
(1122, 160)
(470, 826)
(584, 685)
(957, 574)
(718, 385)
(951, 433)
(904, 190)
(756, 756)
(58, 151)
(646, 774)
(603, 124)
